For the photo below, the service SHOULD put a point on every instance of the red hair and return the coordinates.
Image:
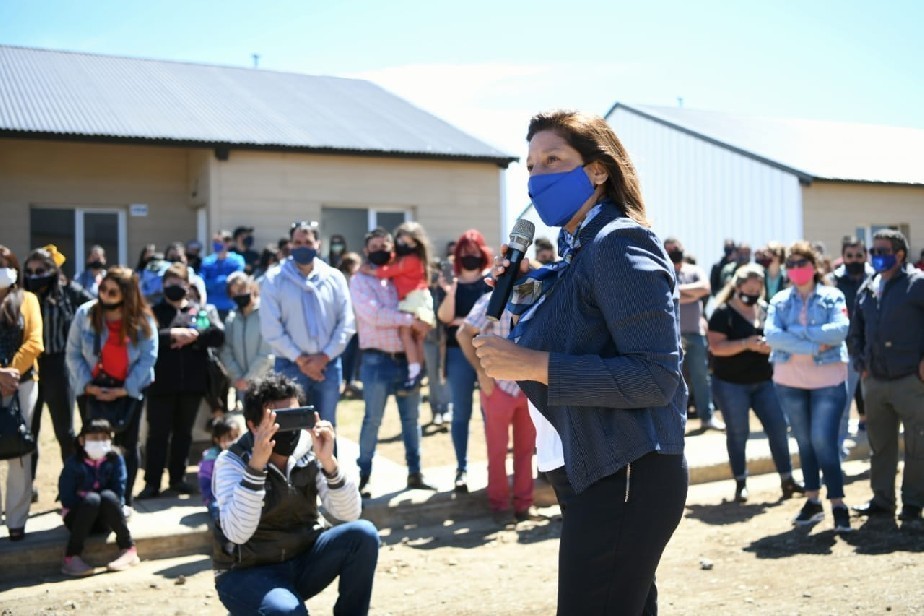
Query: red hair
(468, 240)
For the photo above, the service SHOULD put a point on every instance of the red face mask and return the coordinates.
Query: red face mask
(801, 275)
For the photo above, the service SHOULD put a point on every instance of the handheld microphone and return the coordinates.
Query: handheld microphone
(520, 239)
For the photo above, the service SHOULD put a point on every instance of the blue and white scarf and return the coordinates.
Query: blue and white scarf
(311, 305)
(531, 290)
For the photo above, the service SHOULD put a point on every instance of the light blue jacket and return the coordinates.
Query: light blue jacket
(81, 359)
(306, 315)
(827, 324)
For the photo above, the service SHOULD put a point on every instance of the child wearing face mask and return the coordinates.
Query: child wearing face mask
(408, 271)
(92, 490)
(224, 432)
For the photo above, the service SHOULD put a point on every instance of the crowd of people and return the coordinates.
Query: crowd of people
(789, 335)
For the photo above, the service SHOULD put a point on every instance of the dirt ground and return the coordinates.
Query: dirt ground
(759, 563)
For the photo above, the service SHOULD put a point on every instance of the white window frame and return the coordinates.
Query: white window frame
(870, 230)
(122, 240)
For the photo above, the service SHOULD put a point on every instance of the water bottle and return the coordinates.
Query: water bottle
(202, 320)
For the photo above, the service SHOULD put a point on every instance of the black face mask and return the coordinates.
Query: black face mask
(286, 442)
(379, 257)
(242, 300)
(728, 250)
(676, 256)
(855, 268)
(403, 250)
(470, 262)
(764, 262)
(39, 284)
(175, 292)
(111, 306)
(97, 265)
(748, 299)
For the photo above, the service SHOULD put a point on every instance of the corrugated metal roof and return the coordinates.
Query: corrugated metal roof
(811, 149)
(48, 92)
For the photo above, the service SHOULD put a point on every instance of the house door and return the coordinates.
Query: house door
(75, 230)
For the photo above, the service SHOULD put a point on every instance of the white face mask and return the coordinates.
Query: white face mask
(97, 450)
(7, 277)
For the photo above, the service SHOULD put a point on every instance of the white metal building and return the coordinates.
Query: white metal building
(707, 176)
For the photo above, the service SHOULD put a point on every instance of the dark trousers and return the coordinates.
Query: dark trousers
(127, 441)
(613, 536)
(170, 420)
(100, 512)
(54, 389)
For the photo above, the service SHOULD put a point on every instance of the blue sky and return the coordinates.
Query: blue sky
(488, 66)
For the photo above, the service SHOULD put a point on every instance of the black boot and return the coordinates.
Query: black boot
(741, 491)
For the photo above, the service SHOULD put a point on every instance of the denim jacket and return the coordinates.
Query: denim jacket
(827, 324)
(81, 358)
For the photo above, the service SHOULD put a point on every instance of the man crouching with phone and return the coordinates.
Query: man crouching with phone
(274, 551)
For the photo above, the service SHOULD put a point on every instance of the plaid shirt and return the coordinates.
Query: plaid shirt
(478, 319)
(375, 303)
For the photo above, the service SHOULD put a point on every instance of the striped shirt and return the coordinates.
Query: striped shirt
(57, 315)
(478, 319)
(239, 492)
(377, 316)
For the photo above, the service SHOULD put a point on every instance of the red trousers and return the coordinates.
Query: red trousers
(501, 411)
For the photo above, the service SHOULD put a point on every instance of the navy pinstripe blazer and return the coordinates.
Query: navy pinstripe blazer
(610, 323)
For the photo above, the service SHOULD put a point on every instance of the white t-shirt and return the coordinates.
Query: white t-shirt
(549, 453)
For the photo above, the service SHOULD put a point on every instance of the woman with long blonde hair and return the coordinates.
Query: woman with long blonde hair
(111, 350)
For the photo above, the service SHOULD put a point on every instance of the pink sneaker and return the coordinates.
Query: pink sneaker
(127, 558)
(75, 567)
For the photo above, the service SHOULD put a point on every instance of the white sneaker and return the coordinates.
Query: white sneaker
(127, 511)
(713, 424)
(438, 419)
(127, 558)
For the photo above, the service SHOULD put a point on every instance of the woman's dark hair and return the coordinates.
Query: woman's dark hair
(136, 314)
(269, 256)
(178, 248)
(468, 240)
(12, 303)
(94, 426)
(143, 259)
(596, 142)
(223, 426)
(270, 388)
(416, 232)
(804, 250)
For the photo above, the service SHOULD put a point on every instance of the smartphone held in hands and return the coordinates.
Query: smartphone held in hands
(297, 418)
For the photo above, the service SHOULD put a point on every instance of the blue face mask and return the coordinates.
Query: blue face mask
(218, 246)
(558, 196)
(303, 255)
(883, 263)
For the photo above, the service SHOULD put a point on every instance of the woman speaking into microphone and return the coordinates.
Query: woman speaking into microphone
(596, 348)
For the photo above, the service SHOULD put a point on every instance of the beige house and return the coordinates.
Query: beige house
(707, 176)
(124, 152)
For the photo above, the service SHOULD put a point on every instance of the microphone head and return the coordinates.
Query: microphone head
(522, 235)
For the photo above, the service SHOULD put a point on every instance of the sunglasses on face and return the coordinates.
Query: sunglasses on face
(854, 255)
(797, 263)
(880, 252)
(39, 271)
(110, 291)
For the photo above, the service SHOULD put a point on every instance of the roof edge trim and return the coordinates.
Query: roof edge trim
(804, 177)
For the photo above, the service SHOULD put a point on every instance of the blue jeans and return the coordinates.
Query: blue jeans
(324, 395)
(349, 550)
(853, 380)
(736, 401)
(462, 383)
(349, 357)
(815, 417)
(440, 394)
(696, 363)
(382, 376)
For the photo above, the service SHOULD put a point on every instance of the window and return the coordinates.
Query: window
(74, 230)
(353, 223)
(866, 233)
